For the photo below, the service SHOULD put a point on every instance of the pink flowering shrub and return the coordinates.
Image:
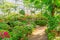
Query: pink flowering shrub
(4, 35)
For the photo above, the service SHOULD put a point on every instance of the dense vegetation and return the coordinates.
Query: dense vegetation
(51, 13)
(18, 26)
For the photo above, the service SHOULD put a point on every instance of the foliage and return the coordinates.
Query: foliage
(7, 6)
(57, 2)
(18, 28)
(52, 25)
(22, 31)
(33, 3)
(51, 36)
(4, 26)
(50, 5)
(22, 12)
(4, 34)
(41, 22)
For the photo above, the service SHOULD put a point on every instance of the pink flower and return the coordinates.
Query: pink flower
(5, 33)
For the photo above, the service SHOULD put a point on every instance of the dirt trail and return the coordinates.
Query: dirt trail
(38, 34)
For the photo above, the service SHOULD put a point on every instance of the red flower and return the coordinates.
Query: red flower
(6, 34)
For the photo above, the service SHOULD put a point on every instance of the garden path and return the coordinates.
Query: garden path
(38, 34)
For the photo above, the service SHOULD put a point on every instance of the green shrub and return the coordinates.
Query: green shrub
(19, 26)
(23, 31)
(51, 36)
(40, 19)
(14, 23)
(41, 22)
(4, 26)
(22, 12)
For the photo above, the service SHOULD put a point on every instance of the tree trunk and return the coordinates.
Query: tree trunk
(53, 7)
(53, 10)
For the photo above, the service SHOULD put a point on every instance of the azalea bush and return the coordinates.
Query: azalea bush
(4, 34)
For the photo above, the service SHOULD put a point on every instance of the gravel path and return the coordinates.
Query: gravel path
(38, 34)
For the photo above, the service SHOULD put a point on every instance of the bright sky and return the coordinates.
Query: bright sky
(17, 2)
(13, 1)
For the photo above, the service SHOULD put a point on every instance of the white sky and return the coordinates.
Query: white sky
(13, 1)
(21, 5)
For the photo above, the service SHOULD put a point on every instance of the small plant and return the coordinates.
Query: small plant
(51, 36)
(22, 12)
